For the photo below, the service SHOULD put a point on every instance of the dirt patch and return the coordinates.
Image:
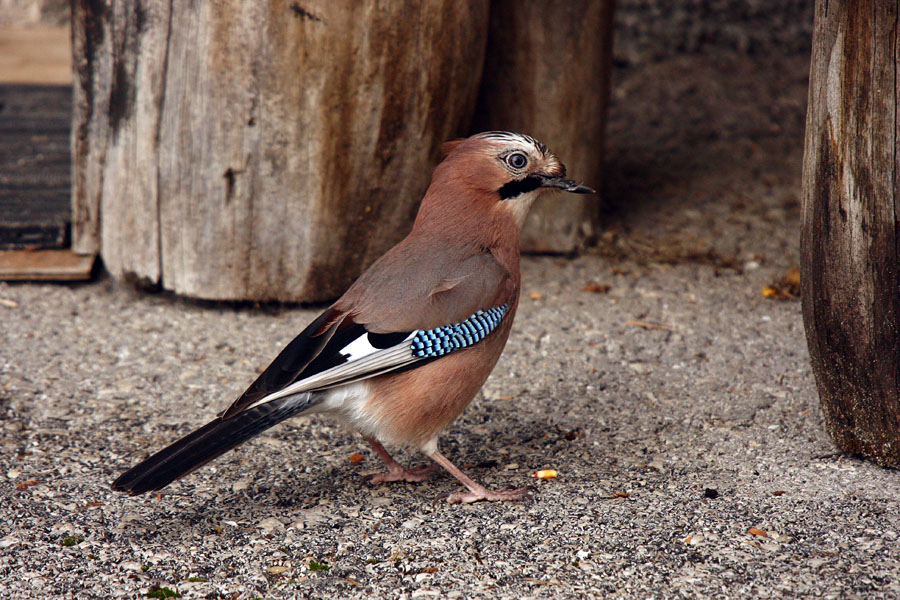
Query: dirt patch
(704, 158)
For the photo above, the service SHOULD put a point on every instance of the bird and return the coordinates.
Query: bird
(407, 347)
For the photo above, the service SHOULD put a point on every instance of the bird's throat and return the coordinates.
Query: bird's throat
(519, 206)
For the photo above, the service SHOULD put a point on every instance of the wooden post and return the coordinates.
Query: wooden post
(262, 150)
(850, 244)
(547, 74)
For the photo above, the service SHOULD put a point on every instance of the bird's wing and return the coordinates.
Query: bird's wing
(368, 354)
(355, 340)
(411, 288)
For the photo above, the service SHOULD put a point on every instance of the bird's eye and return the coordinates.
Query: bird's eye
(517, 160)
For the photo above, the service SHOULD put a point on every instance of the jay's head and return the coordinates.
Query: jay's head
(503, 172)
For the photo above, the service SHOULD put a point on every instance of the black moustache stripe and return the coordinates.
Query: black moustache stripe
(518, 187)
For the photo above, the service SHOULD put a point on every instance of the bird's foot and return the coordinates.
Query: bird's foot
(401, 474)
(489, 495)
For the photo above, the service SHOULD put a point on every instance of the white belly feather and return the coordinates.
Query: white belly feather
(347, 403)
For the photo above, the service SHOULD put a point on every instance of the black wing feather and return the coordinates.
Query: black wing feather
(207, 443)
(291, 362)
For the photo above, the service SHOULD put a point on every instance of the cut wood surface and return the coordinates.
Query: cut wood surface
(850, 247)
(35, 54)
(262, 151)
(44, 265)
(547, 74)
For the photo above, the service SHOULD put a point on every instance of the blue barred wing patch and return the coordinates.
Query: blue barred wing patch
(439, 341)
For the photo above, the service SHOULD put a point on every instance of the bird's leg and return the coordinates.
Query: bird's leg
(396, 471)
(476, 490)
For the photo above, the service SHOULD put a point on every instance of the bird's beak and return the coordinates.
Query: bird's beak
(566, 185)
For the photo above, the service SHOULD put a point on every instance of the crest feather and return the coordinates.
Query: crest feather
(509, 136)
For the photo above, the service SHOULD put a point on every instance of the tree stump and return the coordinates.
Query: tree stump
(546, 74)
(850, 247)
(262, 150)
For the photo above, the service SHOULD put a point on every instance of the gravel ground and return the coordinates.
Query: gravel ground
(678, 407)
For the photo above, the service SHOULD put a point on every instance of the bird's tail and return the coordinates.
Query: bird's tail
(209, 442)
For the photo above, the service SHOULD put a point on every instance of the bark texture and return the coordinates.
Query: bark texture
(262, 150)
(850, 246)
(546, 74)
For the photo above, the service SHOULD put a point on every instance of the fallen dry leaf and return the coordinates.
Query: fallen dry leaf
(276, 570)
(786, 287)
(759, 532)
(356, 458)
(574, 434)
(646, 325)
(535, 295)
(26, 484)
(533, 580)
(596, 288)
(779, 493)
(620, 495)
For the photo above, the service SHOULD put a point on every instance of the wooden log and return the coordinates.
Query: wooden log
(850, 242)
(263, 150)
(547, 73)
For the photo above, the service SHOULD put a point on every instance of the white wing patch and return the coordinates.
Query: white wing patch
(361, 347)
(363, 361)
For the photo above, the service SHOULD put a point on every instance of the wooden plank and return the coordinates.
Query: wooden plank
(38, 54)
(35, 146)
(44, 265)
(35, 166)
(850, 236)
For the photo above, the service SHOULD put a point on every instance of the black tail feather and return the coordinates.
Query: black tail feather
(209, 442)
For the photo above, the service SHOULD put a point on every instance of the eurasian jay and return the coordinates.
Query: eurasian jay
(406, 348)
